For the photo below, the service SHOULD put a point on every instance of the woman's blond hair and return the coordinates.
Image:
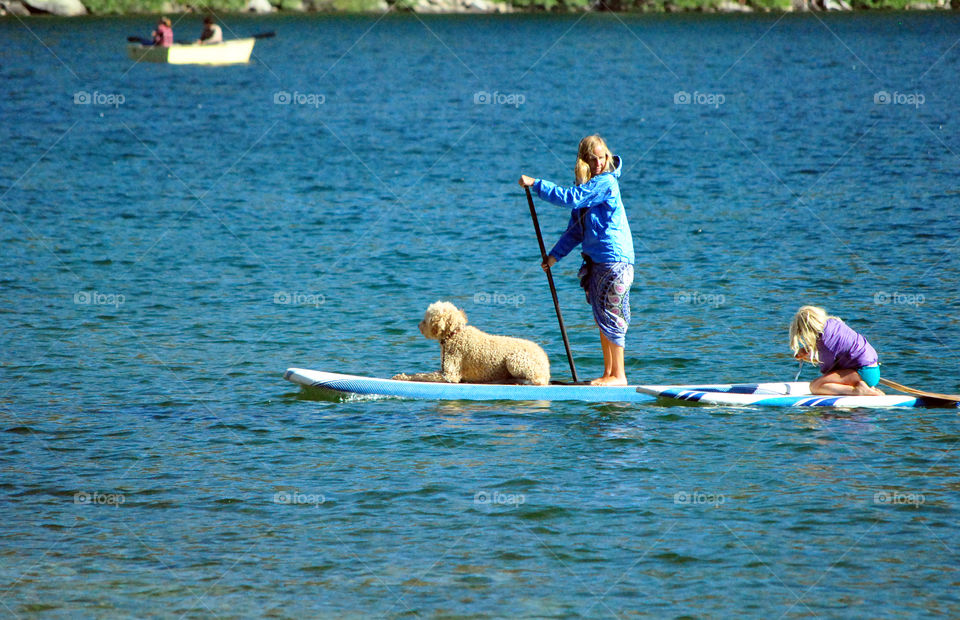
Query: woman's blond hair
(806, 327)
(588, 146)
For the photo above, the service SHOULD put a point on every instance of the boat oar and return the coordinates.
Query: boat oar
(146, 41)
(909, 390)
(553, 289)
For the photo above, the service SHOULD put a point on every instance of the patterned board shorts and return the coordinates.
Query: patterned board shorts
(608, 293)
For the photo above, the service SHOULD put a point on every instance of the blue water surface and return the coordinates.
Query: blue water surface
(174, 237)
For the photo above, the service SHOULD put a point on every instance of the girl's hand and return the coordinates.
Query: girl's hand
(802, 356)
(526, 181)
(550, 262)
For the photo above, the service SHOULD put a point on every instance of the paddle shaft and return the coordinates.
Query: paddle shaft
(147, 41)
(909, 390)
(553, 288)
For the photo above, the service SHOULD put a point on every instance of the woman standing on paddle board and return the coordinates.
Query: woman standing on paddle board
(848, 364)
(598, 220)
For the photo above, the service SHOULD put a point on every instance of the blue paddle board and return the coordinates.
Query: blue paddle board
(339, 385)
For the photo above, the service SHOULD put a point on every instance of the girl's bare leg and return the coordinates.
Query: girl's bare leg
(842, 383)
(613, 366)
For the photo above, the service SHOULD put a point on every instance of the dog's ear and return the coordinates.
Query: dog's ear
(435, 324)
(445, 317)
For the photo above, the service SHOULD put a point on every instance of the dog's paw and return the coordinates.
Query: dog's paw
(401, 377)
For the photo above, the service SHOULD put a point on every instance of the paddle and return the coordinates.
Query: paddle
(909, 390)
(553, 288)
(146, 41)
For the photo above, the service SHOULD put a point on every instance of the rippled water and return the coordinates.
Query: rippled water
(167, 257)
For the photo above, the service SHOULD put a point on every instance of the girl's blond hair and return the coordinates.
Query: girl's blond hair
(588, 146)
(806, 327)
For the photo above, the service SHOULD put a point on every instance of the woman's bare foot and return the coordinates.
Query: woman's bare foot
(609, 380)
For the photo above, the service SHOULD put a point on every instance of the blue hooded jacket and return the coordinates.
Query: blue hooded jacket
(598, 219)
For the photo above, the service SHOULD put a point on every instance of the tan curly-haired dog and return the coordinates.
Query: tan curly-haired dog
(472, 356)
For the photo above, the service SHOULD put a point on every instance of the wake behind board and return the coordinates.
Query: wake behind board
(352, 385)
(795, 394)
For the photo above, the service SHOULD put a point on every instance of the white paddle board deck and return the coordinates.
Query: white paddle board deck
(781, 395)
(352, 385)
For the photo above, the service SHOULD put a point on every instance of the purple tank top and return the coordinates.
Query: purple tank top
(841, 348)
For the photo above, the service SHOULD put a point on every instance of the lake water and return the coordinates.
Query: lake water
(173, 238)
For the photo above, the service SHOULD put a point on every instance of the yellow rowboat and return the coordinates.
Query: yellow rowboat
(226, 53)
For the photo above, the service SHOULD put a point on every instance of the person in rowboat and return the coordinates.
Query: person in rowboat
(163, 35)
(848, 364)
(211, 32)
(598, 221)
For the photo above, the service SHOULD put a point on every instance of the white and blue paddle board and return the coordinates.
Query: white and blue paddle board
(339, 385)
(780, 395)
(787, 394)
